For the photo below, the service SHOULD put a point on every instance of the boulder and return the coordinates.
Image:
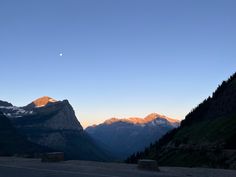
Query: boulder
(147, 164)
(53, 157)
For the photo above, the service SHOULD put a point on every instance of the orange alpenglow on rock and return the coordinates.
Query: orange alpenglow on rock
(137, 120)
(43, 101)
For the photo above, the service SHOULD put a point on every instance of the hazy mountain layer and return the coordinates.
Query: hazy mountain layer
(126, 136)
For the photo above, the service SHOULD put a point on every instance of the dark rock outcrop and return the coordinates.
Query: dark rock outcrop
(5, 104)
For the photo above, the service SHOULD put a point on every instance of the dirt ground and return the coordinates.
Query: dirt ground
(21, 167)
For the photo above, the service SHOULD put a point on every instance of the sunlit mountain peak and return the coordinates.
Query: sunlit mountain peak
(43, 101)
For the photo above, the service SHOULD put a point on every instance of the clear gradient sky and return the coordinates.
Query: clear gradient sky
(120, 58)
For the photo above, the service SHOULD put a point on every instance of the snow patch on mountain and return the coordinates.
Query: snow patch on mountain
(14, 111)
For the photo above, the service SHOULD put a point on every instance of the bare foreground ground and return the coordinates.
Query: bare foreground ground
(20, 167)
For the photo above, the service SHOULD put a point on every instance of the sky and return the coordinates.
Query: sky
(120, 58)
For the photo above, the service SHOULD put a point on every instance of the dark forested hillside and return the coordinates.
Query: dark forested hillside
(13, 143)
(206, 136)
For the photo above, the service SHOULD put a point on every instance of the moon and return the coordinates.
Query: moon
(60, 54)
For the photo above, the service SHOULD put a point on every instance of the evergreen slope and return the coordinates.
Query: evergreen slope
(205, 138)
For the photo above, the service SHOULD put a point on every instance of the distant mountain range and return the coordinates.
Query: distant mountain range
(126, 136)
(53, 124)
(50, 125)
(206, 137)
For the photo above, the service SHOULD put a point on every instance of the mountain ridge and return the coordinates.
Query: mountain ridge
(138, 120)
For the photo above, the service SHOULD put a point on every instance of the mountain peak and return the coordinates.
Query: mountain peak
(111, 120)
(153, 116)
(43, 101)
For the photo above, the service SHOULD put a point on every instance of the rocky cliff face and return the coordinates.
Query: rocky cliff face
(62, 114)
(53, 124)
(126, 136)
